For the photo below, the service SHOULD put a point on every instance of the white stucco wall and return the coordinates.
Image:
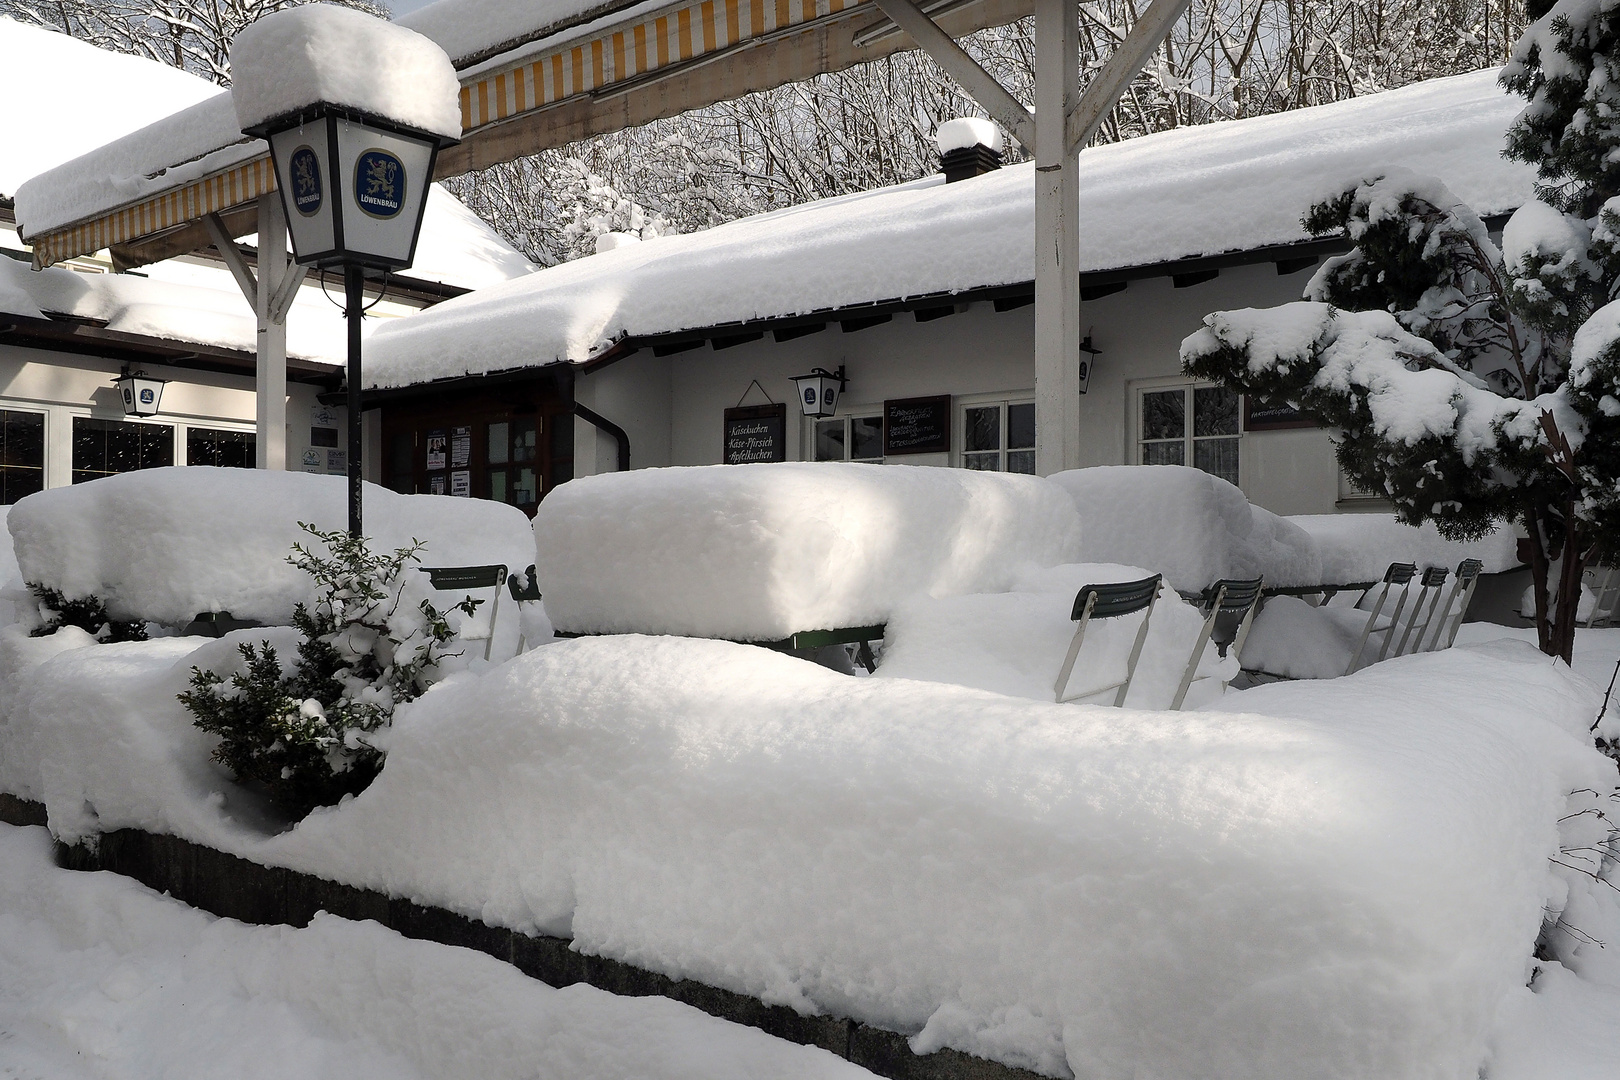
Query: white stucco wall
(64, 385)
(673, 406)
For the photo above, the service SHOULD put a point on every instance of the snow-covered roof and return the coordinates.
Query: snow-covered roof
(63, 97)
(169, 310)
(1189, 193)
(118, 165)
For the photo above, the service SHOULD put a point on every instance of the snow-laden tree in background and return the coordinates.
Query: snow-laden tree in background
(1472, 384)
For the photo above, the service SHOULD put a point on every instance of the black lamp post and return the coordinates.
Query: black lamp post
(354, 186)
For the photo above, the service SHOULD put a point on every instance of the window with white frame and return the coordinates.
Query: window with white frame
(849, 438)
(108, 447)
(229, 448)
(1189, 424)
(22, 454)
(999, 436)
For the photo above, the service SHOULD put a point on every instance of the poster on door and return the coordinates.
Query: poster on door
(436, 444)
(460, 448)
(461, 485)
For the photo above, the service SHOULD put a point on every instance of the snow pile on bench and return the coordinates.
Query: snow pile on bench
(1014, 642)
(760, 552)
(166, 544)
(1360, 547)
(1189, 525)
(296, 57)
(1344, 879)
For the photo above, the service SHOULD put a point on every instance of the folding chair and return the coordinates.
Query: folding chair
(1109, 601)
(1603, 577)
(1397, 574)
(1468, 572)
(1433, 584)
(1230, 607)
(524, 588)
(459, 578)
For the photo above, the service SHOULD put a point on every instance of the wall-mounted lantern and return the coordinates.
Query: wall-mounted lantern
(1088, 357)
(819, 390)
(141, 393)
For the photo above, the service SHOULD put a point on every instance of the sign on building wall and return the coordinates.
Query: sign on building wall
(1259, 417)
(755, 433)
(917, 425)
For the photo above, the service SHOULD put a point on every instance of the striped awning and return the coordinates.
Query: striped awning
(660, 40)
(589, 82)
(224, 191)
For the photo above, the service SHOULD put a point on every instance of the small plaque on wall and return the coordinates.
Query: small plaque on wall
(756, 433)
(917, 425)
(1258, 416)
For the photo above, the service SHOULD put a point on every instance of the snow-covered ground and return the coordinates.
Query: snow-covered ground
(103, 979)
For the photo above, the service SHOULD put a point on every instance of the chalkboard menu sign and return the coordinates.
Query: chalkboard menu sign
(917, 425)
(756, 433)
(1259, 416)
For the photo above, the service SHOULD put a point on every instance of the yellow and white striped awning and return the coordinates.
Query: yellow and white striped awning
(683, 56)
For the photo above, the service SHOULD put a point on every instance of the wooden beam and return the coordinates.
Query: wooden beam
(225, 244)
(183, 240)
(1116, 74)
(991, 95)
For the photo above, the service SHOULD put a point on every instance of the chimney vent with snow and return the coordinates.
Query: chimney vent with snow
(968, 146)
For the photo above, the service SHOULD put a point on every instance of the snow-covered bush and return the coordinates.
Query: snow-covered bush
(304, 735)
(88, 613)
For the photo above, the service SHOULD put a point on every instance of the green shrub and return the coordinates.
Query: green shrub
(305, 734)
(88, 613)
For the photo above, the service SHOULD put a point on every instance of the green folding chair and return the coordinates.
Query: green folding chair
(466, 579)
(1229, 612)
(1110, 601)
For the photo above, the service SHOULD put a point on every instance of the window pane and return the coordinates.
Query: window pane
(1021, 461)
(1215, 410)
(1164, 453)
(15, 483)
(523, 488)
(523, 441)
(829, 440)
(1218, 456)
(104, 447)
(497, 484)
(23, 436)
(866, 434)
(212, 446)
(498, 438)
(1164, 414)
(982, 462)
(1021, 427)
(562, 437)
(401, 473)
(982, 430)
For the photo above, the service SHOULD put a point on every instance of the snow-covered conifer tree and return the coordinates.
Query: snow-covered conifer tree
(1472, 384)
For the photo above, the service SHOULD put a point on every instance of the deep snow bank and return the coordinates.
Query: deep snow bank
(1187, 524)
(1344, 880)
(759, 552)
(165, 544)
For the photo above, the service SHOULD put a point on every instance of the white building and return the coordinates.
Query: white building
(923, 291)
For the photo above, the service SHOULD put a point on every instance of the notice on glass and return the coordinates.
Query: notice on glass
(337, 461)
(435, 450)
(460, 447)
(436, 484)
(461, 485)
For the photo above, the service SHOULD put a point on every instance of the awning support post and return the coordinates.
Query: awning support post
(270, 380)
(1057, 239)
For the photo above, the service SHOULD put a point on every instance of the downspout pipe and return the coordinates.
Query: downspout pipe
(602, 423)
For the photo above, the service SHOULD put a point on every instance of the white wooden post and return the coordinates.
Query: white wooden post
(270, 381)
(1057, 239)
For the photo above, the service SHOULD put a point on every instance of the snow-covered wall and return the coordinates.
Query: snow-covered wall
(761, 552)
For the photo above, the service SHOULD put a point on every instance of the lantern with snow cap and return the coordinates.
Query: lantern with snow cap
(141, 393)
(355, 109)
(819, 390)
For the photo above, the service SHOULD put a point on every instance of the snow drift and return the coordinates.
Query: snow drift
(759, 552)
(1187, 524)
(1343, 880)
(165, 544)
